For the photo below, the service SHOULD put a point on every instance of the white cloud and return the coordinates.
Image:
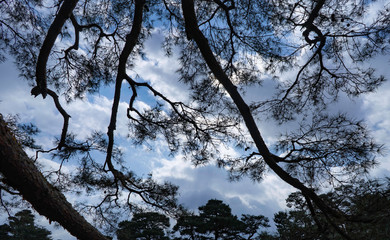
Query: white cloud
(377, 106)
(199, 184)
(374, 8)
(160, 69)
(176, 167)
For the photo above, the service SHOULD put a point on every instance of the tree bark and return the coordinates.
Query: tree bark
(21, 174)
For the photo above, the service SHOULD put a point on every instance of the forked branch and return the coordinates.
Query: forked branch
(131, 41)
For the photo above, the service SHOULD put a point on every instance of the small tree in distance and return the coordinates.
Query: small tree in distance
(216, 221)
(22, 227)
(144, 226)
(252, 224)
(187, 225)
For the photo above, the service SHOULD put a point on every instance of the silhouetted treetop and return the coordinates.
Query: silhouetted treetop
(22, 226)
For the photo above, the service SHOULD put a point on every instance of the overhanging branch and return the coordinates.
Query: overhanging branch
(55, 28)
(21, 174)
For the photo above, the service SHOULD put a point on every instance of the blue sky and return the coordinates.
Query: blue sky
(197, 185)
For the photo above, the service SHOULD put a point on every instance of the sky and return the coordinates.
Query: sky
(196, 184)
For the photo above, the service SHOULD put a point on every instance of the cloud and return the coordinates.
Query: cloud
(160, 70)
(376, 107)
(373, 9)
(199, 184)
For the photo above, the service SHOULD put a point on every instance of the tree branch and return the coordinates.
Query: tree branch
(131, 41)
(64, 114)
(55, 28)
(194, 33)
(20, 173)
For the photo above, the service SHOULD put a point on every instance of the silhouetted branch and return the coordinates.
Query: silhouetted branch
(194, 33)
(55, 28)
(45, 198)
(131, 41)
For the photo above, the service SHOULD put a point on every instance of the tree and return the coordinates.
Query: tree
(296, 225)
(187, 225)
(22, 226)
(216, 221)
(252, 223)
(226, 47)
(370, 199)
(148, 226)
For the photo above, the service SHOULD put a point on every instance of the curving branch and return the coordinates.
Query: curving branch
(174, 105)
(131, 41)
(55, 28)
(193, 32)
(310, 27)
(309, 24)
(78, 28)
(64, 114)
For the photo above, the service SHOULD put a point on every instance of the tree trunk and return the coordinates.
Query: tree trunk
(21, 174)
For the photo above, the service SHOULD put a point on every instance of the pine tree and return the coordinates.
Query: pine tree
(22, 227)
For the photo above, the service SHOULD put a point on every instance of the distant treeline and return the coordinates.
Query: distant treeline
(215, 220)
